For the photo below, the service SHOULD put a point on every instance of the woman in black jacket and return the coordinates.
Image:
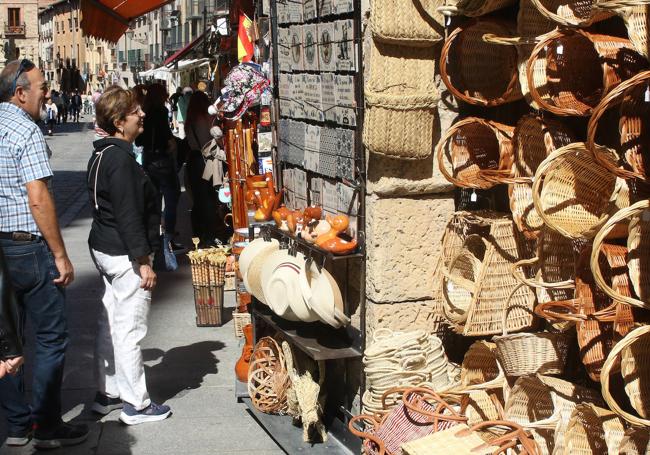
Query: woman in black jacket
(123, 239)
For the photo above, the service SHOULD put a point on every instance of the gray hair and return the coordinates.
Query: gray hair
(7, 79)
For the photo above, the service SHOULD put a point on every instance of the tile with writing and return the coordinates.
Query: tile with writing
(311, 160)
(309, 10)
(297, 96)
(316, 184)
(288, 199)
(287, 179)
(342, 6)
(294, 12)
(327, 46)
(330, 195)
(300, 203)
(313, 104)
(284, 147)
(296, 41)
(282, 11)
(328, 96)
(312, 137)
(345, 102)
(300, 180)
(284, 49)
(285, 93)
(348, 199)
(345, 45)
(310, 47)
(324, 7)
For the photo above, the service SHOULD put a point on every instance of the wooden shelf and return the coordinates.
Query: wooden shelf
(317, 340)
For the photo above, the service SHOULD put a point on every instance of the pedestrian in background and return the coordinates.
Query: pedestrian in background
(52, 113)
(58, 100)
(37, 261)
(123, 238)
(66, 106)
(174, 102)
(182, 103)
(75, 106)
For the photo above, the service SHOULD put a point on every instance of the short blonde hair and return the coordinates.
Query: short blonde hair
(114, 105)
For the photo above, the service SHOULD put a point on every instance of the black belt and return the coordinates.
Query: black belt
(19, 236)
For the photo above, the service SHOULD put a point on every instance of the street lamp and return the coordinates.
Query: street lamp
(128, 35)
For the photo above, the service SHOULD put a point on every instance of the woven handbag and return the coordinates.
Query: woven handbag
(579, 69)
(636, 14)
(592, 429)
(630, 96)
(632, 356)
(574, 194)
(420, 412)
(475, 146)
(401, 102)
(406, 22)
(636, 441)
(479, 72)
(572, 13)
(464, 440)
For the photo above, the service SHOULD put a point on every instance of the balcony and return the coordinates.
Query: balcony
(15, 30)
(165, 24)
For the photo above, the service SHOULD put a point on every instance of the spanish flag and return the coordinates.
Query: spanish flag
(245, 38)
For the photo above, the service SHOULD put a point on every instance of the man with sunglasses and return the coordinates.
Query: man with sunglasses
(37, 260)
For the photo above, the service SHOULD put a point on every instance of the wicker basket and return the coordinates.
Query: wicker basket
(630, 96)
(572, 13)
(401, 102)
(593, 430)
(480, 369)
(208, 303)
(494, 283)
(579, 69)
(473, 8)
(636, 14)
(240, 319)
(406, 22)
(534, 138)
(268, 379)
(574, 194)
(632, 356)
(636, 441)
(475, 146)
(478, 72)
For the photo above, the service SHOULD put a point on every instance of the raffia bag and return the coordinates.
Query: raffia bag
(406, 22)
(475, 146)
(631, 356)
(600, 322)
(497, 248)
(534, 138)
(473, 8)
(401, 102)
(478, 72)
(635, 442)
(636, 14)
(632, 98)
(592, 429)
(572, 13)
(580, 68)
(574, 194)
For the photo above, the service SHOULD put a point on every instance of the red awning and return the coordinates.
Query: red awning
(180, 53)
(109, 19)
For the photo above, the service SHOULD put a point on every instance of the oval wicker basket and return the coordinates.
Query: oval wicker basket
(632, 356)
(636, 14)
(574, 194)
(401, 102)
(407, 22)
(480, 369)
(268, 379)
(478, 72)
(592, 429)
(534, 138)
(631, 97)
(572, 13)
(579, 69)
(635, 442)
(480, 153)
(473, 8)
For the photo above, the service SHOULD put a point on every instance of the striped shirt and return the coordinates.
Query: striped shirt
(23, 158)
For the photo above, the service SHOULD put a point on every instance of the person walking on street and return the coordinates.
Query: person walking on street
(174, 102)
(66, 106)
(57, 99)
(51, 115)
(123, 239)
(182, 103)
(75, 106)
(37, 260)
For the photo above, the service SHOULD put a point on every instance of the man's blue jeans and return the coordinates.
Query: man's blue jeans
(32, 269)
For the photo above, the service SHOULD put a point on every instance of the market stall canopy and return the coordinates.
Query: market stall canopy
(109, 19)
(184, 51)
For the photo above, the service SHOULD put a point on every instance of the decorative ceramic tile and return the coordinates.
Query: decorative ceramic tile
(281, 11)
(296, 47)
(288, 198)
(327, 46)
(312, 137)
(311, 160)
(316, 191)
(297, 143)
(297, 91)
(300, 180)
(284, 49)
(344, 142)
(348, 199)
(329, 141)
(284, 148)
(345, 167)
(324, 7)
(310, 47)
(328, 96)
(345, 45)
(342, 6)
(309, 10)
(312, 97)
(327, 164)
(345, 102)
(294, 12)
(330, 196)
(287, 179)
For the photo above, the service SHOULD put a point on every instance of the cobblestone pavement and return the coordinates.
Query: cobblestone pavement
(187, 367)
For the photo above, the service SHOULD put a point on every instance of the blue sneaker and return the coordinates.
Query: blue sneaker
(152, 413)
(104, 404)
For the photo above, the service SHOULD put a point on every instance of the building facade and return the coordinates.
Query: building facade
(19, 30)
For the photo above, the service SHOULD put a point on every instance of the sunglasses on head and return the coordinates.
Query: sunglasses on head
(25, 65)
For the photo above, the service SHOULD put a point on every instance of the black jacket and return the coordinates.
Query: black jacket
(10, 345)
(126, 205)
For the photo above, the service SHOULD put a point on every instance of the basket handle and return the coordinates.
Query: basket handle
(549, 311)
(614, 5)
(608, 366)
(622, 214)
(613, 97)
(504, 330)
(368, 419)
(508, 440)
(462, 282)
(426, 394)
(498, 176)
(519, 275)
(391, 391)
(509, 40)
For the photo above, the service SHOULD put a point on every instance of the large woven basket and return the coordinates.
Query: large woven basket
(479, 72)
(592, 429)
(572, 13)
(636, 14)
(580, 68)
(474, 146)
(406, 22)
(268, 379)
(473, 8)
(401, 102)
(480, 369)
(574, 194)
(630, 96)
(636, 441)
(534, 138)
(637, 260)
(632, 356)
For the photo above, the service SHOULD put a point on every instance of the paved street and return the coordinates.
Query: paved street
(189, 368)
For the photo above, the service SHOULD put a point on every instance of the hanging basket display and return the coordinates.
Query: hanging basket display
(480, 153)
(578, 69)
(632, 98)
(571, 13)
(406, 22)
(478, 72)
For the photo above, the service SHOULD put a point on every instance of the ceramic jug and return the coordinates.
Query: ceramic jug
(241, 367)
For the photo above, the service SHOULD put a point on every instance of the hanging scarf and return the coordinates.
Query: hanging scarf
(213, 155)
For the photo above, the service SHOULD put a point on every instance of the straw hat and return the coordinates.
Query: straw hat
(251, 263)
(279, 288)
(252, 250)
(322, 294)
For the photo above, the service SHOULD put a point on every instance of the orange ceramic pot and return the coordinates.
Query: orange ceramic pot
(241, 367)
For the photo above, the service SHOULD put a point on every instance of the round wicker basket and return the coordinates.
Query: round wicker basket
(268, 379)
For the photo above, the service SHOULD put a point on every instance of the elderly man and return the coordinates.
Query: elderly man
(37, 260)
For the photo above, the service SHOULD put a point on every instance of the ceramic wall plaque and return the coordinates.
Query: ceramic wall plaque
(342, 6)
(297, 95)
(294, 12)
(327, 164)
(328, 96)
(311, 160)
(312, 97)
(348, 199)
(328, 141)
(282, 11)
(288, 198)
(284, 90)
(330, 196)
(345, 168)
(310, 47)
(312, 138)
(316, 191)
(345, 45)
(297, 139)
(324, 7)
(327, 46)
(344, 142)
(296, 47)
(284, 129)
(284, 49)
(300, 181)
(309, 10)
(287, 179)
(345, 110)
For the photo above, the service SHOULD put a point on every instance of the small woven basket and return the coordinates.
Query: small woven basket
(632, 356)
(479, 72)
(268, 379)
(579, 69)
(401, 102)
(406, 22)
(480, 369)
(240, 319)
(636, 14)
(574, 194)
(630, 96)
(636, 441)
(475, 146)
(592, 429)
(571, 13)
